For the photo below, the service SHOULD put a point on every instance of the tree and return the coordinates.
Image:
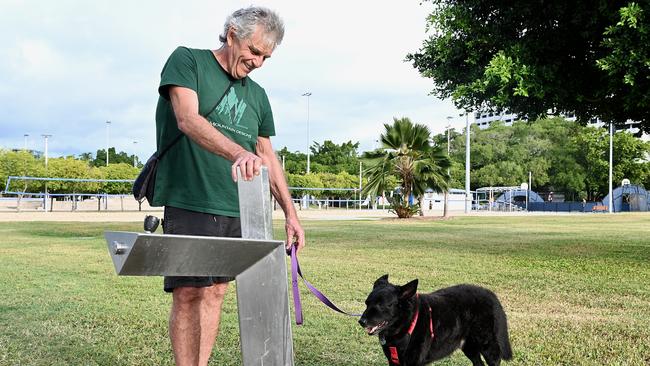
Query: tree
(304, 181)
(327, 157)
(294, 162)
(333, 158)
(70, 168)
(340, 180)
(628, 159)
(87, 156)
(503, 156)
(627, 63)
(21, 163)
(572, 56)
(561, 155)
(409, 156)
(118, 171)
(113, 157)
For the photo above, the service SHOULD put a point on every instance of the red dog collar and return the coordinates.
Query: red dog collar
(394, 356)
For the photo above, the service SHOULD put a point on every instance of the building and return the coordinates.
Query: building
(484, 119)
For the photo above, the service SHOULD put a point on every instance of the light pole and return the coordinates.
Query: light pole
(45, 136)
(449, 118)
(468, 198)
(25, 135)
(308, 94)
(530, 188)
(108, 124)
(361, 184)
(446, 207)
(135, 142)
(611, 153)
(46, 202)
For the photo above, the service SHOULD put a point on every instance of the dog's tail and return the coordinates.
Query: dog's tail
(501, 330)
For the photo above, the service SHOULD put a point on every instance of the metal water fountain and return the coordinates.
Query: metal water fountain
(256, 261)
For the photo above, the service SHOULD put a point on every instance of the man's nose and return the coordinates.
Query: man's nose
(258, 61)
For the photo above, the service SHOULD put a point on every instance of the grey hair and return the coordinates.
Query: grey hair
(245, 21)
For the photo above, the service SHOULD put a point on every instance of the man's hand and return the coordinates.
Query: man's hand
(295, 234)
(249, 164)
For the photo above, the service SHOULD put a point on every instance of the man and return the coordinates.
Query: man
(225, 123)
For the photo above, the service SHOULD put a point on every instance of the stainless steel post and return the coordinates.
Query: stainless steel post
(262, 290)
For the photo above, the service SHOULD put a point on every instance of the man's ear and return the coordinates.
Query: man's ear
(381, 281)
(230, 34)
(407, 291)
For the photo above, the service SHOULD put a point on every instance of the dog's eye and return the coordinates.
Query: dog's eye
(385, 306)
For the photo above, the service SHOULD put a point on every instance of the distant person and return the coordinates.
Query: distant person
(550, 197)
(225, 122)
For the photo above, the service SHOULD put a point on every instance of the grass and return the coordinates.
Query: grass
(576, 290)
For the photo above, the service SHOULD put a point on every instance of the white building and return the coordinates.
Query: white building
(435, 201)
(484, 119)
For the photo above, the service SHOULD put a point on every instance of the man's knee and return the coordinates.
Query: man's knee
(187, 296)
(215, 294)
(218, 289)
(191, 296)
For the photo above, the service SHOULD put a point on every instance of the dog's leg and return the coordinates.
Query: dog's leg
(491, 353)
(472, 351)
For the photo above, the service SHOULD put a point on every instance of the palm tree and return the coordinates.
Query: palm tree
(409, 156)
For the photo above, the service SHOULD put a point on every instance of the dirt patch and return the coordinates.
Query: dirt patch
(419, 218)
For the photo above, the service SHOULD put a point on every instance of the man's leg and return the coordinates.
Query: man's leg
(185, 325)
(196, 301)
(194, 322)
(210, 317)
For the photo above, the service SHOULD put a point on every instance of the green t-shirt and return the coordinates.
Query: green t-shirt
(189, 176)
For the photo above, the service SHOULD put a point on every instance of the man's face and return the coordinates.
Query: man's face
(248, 54)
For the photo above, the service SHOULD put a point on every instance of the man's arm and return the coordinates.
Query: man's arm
(280, 190)
(186, 109)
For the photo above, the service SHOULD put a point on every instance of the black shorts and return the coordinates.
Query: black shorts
(185, 222)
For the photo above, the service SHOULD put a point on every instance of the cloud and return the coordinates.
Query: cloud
(69, 66)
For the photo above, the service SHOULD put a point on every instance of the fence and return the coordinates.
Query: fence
(47, 201)
(74, 201)
(322, 198)
(563, 206)
(304, 200)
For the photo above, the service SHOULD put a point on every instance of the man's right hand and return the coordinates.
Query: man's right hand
(249, 164)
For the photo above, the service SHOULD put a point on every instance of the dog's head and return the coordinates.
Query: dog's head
(387, 305)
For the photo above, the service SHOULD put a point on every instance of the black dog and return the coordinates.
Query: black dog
(416, 329)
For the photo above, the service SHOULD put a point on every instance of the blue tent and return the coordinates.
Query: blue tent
(629, 197)
(518, 195)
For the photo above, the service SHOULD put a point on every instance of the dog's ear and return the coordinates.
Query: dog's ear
(407, 291)
(381, 281)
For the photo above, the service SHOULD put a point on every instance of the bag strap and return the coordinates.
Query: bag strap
(160, 155)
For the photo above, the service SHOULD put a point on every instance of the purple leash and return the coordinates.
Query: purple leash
(295, 271)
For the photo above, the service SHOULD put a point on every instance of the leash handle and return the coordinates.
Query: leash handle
(295, 271)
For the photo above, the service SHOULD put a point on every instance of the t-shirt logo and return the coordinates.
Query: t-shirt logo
(231, 109)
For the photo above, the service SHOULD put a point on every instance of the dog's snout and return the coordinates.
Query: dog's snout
(363, 322)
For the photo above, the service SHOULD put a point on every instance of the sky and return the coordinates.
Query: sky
(67, 67)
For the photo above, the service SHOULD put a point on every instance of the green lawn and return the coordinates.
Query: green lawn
(576, 289)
